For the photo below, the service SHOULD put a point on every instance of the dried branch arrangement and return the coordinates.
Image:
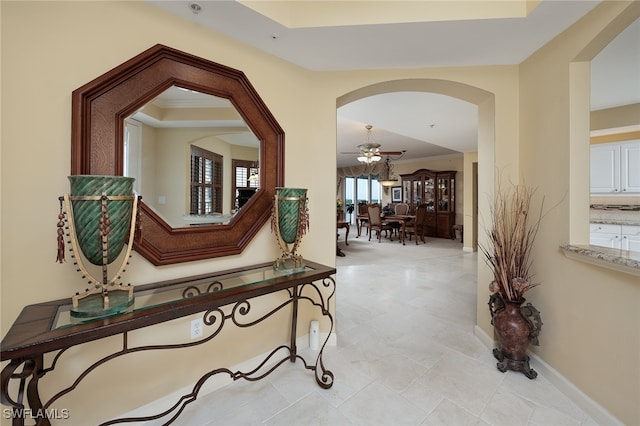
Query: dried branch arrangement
(511, 238)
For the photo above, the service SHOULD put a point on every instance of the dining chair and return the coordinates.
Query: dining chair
(399, 209)
(375, 221)
(402, 209)
(362, 218)
(418, 225)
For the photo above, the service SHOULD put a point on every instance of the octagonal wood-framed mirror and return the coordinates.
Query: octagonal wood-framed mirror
(100, 109)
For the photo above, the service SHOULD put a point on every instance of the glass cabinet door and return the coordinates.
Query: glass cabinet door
(452, 192)
(417, 192)
(444, 198)
(429, 194)
(406, 191)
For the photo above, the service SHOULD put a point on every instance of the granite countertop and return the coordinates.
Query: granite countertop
(616, 207)
(618, 259)
(614, 214)
(616, 222)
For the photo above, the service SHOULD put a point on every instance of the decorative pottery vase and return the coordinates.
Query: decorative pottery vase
(516, 327)
(290, 221)
(100, 216)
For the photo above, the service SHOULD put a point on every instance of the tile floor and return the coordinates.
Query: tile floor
(406, 354)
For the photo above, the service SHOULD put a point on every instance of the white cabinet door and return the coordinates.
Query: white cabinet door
(605, 168)
(630, 238)
(631, 243)
(630, 166)
(606, 240)
(605, 235)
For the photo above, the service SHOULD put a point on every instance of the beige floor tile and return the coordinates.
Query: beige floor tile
(406, 355)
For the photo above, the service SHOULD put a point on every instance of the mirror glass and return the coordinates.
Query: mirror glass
(194, 158)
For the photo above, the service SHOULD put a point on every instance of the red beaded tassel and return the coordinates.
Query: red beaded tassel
(60, 256)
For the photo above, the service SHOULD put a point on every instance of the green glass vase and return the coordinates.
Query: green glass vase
(87, 214)
(100, 215)
(290, 221)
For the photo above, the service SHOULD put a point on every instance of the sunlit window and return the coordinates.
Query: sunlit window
(362, 189)
(247, 178)
(206, 181)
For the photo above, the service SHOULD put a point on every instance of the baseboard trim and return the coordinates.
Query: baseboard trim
(597, 412)
(218, 381)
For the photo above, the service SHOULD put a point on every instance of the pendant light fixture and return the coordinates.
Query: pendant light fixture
(387, 178)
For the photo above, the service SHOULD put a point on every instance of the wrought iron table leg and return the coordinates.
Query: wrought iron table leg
(294, 325)
(30, 368)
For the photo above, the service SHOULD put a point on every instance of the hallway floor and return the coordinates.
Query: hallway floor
(406, 354)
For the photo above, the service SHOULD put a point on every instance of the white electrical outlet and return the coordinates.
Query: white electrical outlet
(196, 328)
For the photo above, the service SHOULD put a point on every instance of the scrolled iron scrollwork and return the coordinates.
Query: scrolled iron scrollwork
(324, 300)
(9, 373)
(242, 309)
(212, 316)
(191, 291)
(215, 286)
(239, 310)
(324, 377)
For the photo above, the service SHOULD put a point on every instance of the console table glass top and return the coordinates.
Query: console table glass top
(169, 292)
(48, 326)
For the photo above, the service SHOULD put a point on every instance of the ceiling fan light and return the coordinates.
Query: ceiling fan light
(375, 158)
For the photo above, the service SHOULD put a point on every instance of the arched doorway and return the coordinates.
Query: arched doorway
(478, 179)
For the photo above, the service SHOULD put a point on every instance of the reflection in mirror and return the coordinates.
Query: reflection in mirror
(194, 158)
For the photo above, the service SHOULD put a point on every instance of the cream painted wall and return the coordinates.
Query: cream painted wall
(51, 48)
(470, 220)
(591, 316)
(627, 115)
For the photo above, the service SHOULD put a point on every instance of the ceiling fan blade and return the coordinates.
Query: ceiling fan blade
(379, 152)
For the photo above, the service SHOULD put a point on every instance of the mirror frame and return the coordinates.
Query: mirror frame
(99, 109)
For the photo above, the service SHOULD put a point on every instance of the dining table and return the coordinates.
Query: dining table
(402, 220)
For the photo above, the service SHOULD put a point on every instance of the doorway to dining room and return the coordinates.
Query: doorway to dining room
(432, 97)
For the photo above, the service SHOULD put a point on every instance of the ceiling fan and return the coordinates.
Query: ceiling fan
(370, 151)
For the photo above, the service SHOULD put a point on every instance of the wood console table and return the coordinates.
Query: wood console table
(47, 328)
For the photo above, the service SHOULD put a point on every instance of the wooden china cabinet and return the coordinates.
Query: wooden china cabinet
(436, 189)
